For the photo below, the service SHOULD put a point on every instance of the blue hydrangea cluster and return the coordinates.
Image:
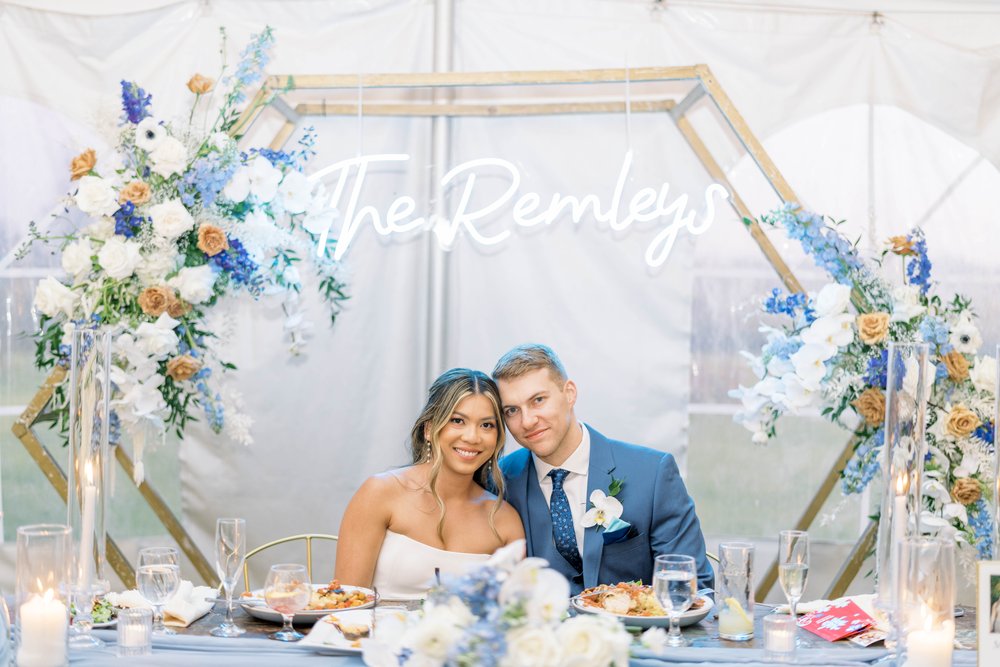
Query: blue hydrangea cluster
(205, 179)
(237, 264)
(790, 305)
(782, 347)
(981, 521)
(986, 432)
(482, 644)
(933, 330)
(918, 268)
(876, 373)
(253, 60)
(135, 102)
(114, 428)
(864, 465)
(127, 223)
(829, 250)
(479, 591)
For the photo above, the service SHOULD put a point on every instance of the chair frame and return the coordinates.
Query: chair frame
(308, 537)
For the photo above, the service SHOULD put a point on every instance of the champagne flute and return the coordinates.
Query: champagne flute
(674, 583)
(230, 551)
(287, 590)
(793, 565)
(158, 577)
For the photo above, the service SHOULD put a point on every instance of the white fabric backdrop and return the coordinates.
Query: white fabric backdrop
(624, 331)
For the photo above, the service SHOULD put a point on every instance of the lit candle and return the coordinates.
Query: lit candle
(44, 623)
(898, 531)
(930, 647)
(87, 528)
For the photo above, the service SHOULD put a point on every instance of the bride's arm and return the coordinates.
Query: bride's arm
(508, 524)
(362, 531)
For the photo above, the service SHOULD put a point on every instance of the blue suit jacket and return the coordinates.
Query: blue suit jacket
(655, 502)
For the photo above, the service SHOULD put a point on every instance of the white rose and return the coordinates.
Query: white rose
(52, 298)
(169, 157)
(101, 229)
(157, 264)
(295, 191)
(591, 641)
(194, 284)
(532, 646)
(543, 592)
(149, 133)
(157, 339)
(984, 374)
(119, 258)
(171, 219)
(77, 258)
(96, 196)
(833, 299)
(906, 303)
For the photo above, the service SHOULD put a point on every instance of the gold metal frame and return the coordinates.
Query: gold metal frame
(308, 537)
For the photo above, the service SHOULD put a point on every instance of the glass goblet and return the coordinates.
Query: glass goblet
(793, 565)
(84, 598)
(674, 583)
(161, 583)
(230, 552)
(287, 590)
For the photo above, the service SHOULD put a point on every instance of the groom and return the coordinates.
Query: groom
(551, 481)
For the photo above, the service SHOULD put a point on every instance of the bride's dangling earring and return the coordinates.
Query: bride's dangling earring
(427, 450)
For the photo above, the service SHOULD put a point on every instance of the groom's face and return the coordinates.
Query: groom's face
(538, 411)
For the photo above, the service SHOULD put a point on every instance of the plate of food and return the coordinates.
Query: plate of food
(104, 614)
(635, 604)
(325, 598)
(341, 632)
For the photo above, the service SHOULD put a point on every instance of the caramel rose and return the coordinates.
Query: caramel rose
(136, 192)
(81, 165)
(966, 491)
(199, 85)
(178, 308)
(961, 421)
(957, 365)
(154, 301)
(871, 405)
(211, 240)
(183, 367)
(902, 245)
(873, 327)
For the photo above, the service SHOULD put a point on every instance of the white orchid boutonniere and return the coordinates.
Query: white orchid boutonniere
(606, 511)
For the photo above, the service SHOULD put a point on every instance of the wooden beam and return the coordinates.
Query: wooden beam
(849, 570)
(489, 110)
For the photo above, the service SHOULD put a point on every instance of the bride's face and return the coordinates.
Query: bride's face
(469, 438)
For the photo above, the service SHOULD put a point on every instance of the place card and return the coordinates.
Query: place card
(838, 621)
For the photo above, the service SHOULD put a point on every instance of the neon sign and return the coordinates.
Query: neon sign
(528, 210)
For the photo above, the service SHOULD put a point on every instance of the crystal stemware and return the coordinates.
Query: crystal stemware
(84, 596)
(158, 577)
(287, 590)
(793, 565)
(674, 584)
(230, 551)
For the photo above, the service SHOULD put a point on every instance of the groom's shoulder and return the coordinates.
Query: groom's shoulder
(515, 463)
(630, 452)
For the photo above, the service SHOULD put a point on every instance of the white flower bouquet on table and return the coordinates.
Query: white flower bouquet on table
(508, 613)
(823, 357)
(176, 219)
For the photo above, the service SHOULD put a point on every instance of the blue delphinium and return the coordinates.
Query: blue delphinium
(277, 158)
(981, 522)
(237, 264)
(986, 432)
(127, 223)
(253, 60)
(206, 177)
(790, 305)
(876, 373)
(135, 102)
(829, 250)
(933, 330)
(864, 465)
(918, 268)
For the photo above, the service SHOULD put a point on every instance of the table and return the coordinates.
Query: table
(195, 646)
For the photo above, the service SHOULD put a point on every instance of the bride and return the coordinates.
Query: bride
(405, 525)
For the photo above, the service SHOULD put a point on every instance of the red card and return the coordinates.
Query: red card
(838, 621)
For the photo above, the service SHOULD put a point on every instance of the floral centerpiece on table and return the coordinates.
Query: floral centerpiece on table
(508, 613)
(822, 356)
(174, 220)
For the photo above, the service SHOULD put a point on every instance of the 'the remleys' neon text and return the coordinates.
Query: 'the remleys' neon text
(528, 210)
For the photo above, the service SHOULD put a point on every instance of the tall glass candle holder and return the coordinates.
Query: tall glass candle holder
(41, 606)
(927, 601)
(996, 459)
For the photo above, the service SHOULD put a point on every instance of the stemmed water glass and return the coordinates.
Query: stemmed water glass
(674, 583)
(158, 577)
(84, 596)
(287, 590)
(793, 565)
(230, 551)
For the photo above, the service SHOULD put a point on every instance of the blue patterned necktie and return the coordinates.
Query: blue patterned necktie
(563, 531)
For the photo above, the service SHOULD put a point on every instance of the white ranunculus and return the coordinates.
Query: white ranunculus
(194, 283)
(171, 219)
(833, 330)
(295, 191)
(906, 303)
(96, 196)
(149, 133)
(52, 298)
(77, 258)
(808, 362)
(156, 265)
(169, 158)
(833, 299)
(157, 339)
(592, 641)
(119, 257)
(984, 374)
(965, 336)
(532, 646)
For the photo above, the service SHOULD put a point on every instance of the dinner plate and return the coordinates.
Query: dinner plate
(326, 639)
(689, 617)
(260, 610)
(110, 624)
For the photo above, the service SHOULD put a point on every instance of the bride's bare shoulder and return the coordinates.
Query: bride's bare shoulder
(407, 478)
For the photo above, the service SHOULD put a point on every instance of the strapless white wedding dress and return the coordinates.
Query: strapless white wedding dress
(405, 567)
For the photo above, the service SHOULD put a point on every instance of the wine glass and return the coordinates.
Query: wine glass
(287, 590)
(85, 596)
(158, 577)
(230, 551)
(674, 583)
(793, 565)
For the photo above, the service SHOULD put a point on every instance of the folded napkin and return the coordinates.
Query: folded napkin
(188, 604)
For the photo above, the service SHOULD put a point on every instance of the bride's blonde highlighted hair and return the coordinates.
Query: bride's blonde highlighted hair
(444, 395)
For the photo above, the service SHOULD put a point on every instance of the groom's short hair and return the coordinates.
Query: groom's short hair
(526, 358)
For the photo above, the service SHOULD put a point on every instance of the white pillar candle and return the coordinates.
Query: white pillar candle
(931, 648)
(87, 528)
(43, 621)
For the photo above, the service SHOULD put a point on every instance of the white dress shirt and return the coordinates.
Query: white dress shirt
(575, 484)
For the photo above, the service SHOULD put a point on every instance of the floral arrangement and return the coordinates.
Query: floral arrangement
(508, 613)
(175, 219)
(824, 357)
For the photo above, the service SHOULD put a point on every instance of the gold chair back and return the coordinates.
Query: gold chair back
(306, 537)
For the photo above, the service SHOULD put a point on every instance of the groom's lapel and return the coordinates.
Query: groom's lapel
(598, 477)
(538, 517)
